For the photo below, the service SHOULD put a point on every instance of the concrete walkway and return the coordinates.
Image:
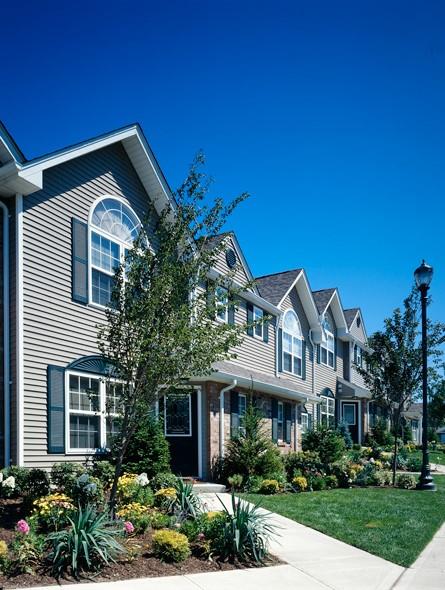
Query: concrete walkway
(428, 571)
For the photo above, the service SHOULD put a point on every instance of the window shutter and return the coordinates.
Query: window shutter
(266, 331)
(210, 299)
(355, 354)
(303, 360)
(231, 312)
(280, 349)
(274, 420)
(335, 353)
(288, 421)
(318, 353)
(234, 414)
(249, 318)
(79, 253)
(56, 409)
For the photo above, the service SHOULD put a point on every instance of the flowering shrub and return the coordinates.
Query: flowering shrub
(165, 498)
(299, 483)
(170, 545)
(269, 486)
(159, 520)
(4, 561)
(406, 481)
(126, 485)
(22, 527)
(129, 527)
(8, 486)
(26, 553)
(51, 512)
(136, 514)
(331, 482)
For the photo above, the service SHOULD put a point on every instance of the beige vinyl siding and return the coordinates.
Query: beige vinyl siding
(357, 331)
(292, 301)
(239, 272)
(13, 325)
(253, 353)
(58, 330)
(356, 377)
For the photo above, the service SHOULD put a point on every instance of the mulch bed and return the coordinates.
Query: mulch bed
(145, 565)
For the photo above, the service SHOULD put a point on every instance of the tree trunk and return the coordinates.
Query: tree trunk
(394, 462)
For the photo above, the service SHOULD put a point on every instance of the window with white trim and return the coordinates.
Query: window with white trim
(242, 407)
(292, 345)
(92, 411)
(304, 422)
(113, 229)
(327, 410)
(222, 303)
(327, 347)
(358, 356)
(280, 421)
(258, 317)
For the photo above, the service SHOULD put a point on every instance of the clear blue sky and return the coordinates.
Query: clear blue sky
(331, 114)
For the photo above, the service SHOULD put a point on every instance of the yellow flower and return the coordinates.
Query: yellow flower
(3, 549)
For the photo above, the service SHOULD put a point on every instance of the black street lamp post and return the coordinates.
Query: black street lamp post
(423, 276)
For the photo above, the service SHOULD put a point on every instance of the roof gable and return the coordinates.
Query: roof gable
(330, 299)
(243, 272)
(276, 286)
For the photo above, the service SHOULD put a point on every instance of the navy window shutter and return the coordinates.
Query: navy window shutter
(335, 353)
(249, 318)
(56, 409)
(280, 349)
(231, 312)
(234, 414)
(303, 361)
(288, 421)
(266, 331)
(210, 298)
(79, 271)
(274, 420)
(318, 353)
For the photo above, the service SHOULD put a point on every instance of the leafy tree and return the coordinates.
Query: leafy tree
(437, 402)
(393, 370)
(328, 443)
(160, 329)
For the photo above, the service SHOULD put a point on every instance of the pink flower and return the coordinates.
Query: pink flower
(22, 527)
(128, 527)
(201, 537)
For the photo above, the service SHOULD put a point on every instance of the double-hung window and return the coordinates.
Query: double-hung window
(292, 344)
(258, 317)
(327, 410)
(93, 410)
(113, 229)
(242, 407)
(280, 421)
(304, 422)
(222, 304)
(358, 357)
(328, 345)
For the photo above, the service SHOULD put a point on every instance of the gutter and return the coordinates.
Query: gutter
(221, 415)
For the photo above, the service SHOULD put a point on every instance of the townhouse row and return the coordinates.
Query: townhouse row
(66, 219)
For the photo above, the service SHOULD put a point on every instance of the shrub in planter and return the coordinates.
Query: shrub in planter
(242, 533)
(13, 481)
(87, 545)
(64, 475)
(164, 479)
(302, 463)
(413, 464)
(134, 488)
(165, 498)
(269, 487)
(326, 442)
(137, 514)
(26, 552)
(345, 471)
(147, 452)
(235, 481)
(36, 484)
(191, 529)
(53, 511)
(406, 481)
(299, 483)
(159, 520)
(87, 490)
(170, 545)
(382, 478)
(219, 470)
(381, 434)
(368, 475)
(343, 430)
(253, 483)
(4, 557)
(331, 482)
(317, 483)
(104, 471)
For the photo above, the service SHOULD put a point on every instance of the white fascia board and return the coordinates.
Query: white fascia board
(247, 295)
(279, 391)
(290, 289)
(339, 316)
(243, 260)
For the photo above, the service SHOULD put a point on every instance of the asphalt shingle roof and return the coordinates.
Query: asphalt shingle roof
(322, 298)
(350, 315)
(274, 287)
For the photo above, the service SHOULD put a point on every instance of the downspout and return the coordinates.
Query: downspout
(6, 337)
(221, 414)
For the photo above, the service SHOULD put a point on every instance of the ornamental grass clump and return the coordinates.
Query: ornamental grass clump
(170, 546)
(241, 534)
(87, 545)
(187, 503)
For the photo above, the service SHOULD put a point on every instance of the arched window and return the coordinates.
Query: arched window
(292, 344)
(113, 229)
(328, 344)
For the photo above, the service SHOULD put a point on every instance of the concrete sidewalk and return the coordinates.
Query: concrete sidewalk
(428, 571)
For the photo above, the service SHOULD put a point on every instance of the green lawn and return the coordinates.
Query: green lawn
(394, 524)
(435, 456)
